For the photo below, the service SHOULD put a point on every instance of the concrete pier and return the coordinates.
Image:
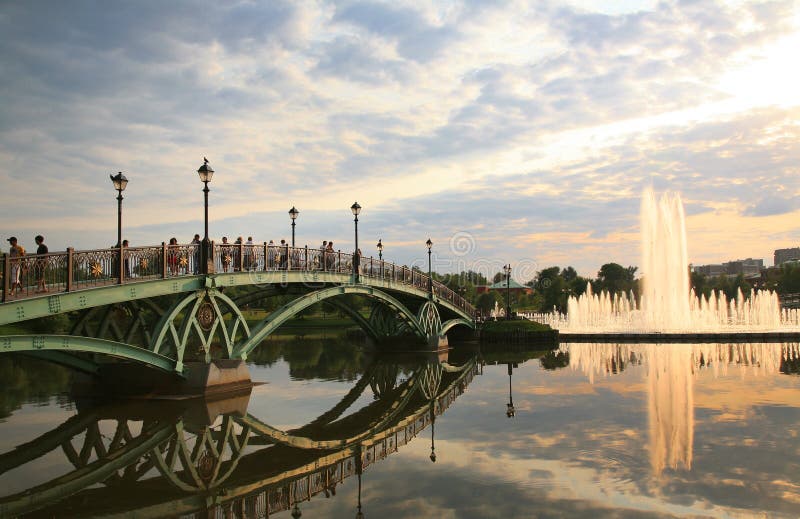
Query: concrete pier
(127, 379)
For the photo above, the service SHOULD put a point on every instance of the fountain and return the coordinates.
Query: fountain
(667, 303)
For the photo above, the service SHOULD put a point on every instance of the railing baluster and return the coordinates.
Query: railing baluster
(70, 268)
(163, 260)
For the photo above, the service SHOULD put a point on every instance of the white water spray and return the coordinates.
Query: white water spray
(667, 303)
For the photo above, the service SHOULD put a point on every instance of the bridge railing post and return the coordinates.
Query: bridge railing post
(266, 256)
(121, 265)
(70, 269)
(163, 260)
(240, 258)
(6, 276)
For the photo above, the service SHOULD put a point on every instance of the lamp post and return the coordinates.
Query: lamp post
(380, 250)
(356, 210)
(205, 173)
(293, 212)
(507, 270)
(120, 183)
(429, 244)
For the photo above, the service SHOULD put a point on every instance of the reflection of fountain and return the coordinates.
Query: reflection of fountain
(670, 383)
(667, 303)
(670, 407)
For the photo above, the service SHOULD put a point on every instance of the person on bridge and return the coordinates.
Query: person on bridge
(248, 253)
(224, 250)
(271, 255)
(16, 251)
(284, 254)
(41, 264)
(321, 258)
(195, 243)
(330, 256)
(172, 256)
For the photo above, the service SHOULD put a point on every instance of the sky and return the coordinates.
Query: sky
(507, 132)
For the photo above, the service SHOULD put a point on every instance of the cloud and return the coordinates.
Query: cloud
(438, 118)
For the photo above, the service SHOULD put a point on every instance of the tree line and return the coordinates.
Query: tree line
(553, 286)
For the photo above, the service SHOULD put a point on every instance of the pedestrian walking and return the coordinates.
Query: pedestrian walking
(41, 263)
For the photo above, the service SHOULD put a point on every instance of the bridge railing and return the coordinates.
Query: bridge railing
(73, 270)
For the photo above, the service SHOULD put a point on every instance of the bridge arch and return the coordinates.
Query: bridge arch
(280, 316)
(69, 344)
(452, 323)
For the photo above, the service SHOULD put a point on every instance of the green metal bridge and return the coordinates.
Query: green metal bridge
(151, 305)
(151, 462)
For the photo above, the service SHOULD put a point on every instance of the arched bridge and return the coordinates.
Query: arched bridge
(152, 305)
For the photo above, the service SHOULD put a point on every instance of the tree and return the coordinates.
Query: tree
(569, 274)
(615, 278)
(485, 302)
(789, 280)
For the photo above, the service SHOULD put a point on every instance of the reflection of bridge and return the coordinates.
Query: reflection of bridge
(179, 464)
(155, 309)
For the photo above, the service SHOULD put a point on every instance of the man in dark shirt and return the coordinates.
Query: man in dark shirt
(41, 264)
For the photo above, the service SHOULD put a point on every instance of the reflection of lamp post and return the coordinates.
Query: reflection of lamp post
(293, 212)
(205, 173)
(429, 244)
(380, 250)
(356, 209)
(433, 423)
(510, 404)
(359, 470)
(507, 270)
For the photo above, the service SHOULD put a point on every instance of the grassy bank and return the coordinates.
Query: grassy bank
(518, 332)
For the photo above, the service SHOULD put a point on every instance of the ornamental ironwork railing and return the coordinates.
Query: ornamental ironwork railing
(33, 274)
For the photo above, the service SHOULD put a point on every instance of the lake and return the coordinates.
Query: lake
(588, 430)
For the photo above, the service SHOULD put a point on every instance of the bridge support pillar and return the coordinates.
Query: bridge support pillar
(126, 379)
(438, 342)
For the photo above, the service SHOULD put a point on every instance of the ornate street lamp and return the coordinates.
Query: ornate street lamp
(380, 249)
(507, 270)
(205, 173)
(356, 210)
(293, 212)
(429, 244)
(120, 183)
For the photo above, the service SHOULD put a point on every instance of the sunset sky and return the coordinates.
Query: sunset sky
(506, 131)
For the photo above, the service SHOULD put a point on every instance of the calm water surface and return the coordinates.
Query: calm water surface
(595, 430)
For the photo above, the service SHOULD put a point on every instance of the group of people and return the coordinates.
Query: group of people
(278, 256)
(19, 266)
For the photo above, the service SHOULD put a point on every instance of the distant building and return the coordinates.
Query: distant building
(785, 255)
(748, 267)
(514, 287)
